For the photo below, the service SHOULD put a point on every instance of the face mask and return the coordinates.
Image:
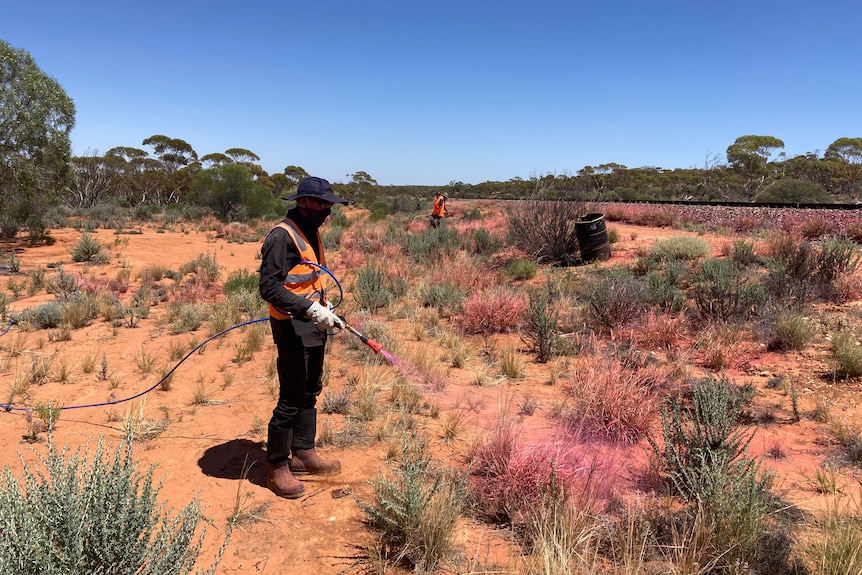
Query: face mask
(315, 217)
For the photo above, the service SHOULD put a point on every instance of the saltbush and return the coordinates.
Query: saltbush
(75, 514)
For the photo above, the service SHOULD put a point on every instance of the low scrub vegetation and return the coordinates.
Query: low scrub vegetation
(594, 362)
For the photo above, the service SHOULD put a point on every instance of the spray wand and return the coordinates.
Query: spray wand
(376, 347)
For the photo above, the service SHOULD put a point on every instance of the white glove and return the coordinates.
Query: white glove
(322, 317)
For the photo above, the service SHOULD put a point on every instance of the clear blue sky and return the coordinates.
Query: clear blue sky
(417, 92)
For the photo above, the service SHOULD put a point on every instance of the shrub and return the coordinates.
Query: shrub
(704, 455)
(446, 297)
(680, 248)
(846, 355)
(240, 281)
(615, 301)
(664, 288)
(72, 514)
(793, 191)
(835, 259)
(472, 214)
(540, 325)
(704, 447)
(521, 269)
(483, 243)
(723, 291)
(79, 310)
(610, 400)
(416, 508)
(371, 291)
(792, 331)
(184, 317)
(45, 316)
(430, 244)
(205, 268)
(792, 269)
(544, 228)
(88, 249)
(742, 252)
(837, 550)
(61, 285)
(495, 310)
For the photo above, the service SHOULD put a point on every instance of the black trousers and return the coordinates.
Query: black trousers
(300, 380)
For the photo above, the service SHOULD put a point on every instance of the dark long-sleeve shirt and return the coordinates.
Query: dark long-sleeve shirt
(279, 254)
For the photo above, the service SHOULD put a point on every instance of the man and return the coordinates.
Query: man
(439, 210)
(300, 318)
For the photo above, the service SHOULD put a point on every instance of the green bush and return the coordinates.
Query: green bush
(79, 310)
(241, 281)
(483, 243)
(521, 269)
(371, 291)
(432, 243)
(88, 249)
(743, 253)
(75, 514)
(44, 316)
(541, 325)
(666, 286)
(847, 355)
(446, 297)
(704, 454)
(204, 266)
(723, 291)
(415, 507)
(61, 285)
(680, 248)
(793, 191)
(792, 331)
(615, 301)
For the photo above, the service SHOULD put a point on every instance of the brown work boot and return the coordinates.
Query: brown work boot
(282, 482)
(307, 461)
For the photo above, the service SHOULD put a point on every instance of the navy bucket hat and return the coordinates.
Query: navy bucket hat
(317, 188)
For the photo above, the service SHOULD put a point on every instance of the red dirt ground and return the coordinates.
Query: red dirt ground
(204, 448)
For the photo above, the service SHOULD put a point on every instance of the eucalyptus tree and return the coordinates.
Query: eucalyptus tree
(750, 155)
(36, 119)
(362, 184)
(179, 162)
(231, 191)
(847, 153)
(294, 174)
(95, 179)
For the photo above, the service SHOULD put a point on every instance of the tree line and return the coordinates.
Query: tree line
(38, 170)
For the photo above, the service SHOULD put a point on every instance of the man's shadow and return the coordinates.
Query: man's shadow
(236, 459)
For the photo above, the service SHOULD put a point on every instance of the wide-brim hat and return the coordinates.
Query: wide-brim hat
(317, 188)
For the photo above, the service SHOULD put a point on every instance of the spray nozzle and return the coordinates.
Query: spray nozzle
(375, 347)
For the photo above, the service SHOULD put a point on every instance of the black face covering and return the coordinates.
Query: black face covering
(314, 217)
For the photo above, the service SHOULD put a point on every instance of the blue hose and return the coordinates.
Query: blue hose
(8, 408)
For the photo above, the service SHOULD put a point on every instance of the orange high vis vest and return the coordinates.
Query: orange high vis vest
(439, 206)
(302, 279)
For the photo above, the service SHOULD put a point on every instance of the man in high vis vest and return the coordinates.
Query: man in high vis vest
(439, 209)
(300, 318)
